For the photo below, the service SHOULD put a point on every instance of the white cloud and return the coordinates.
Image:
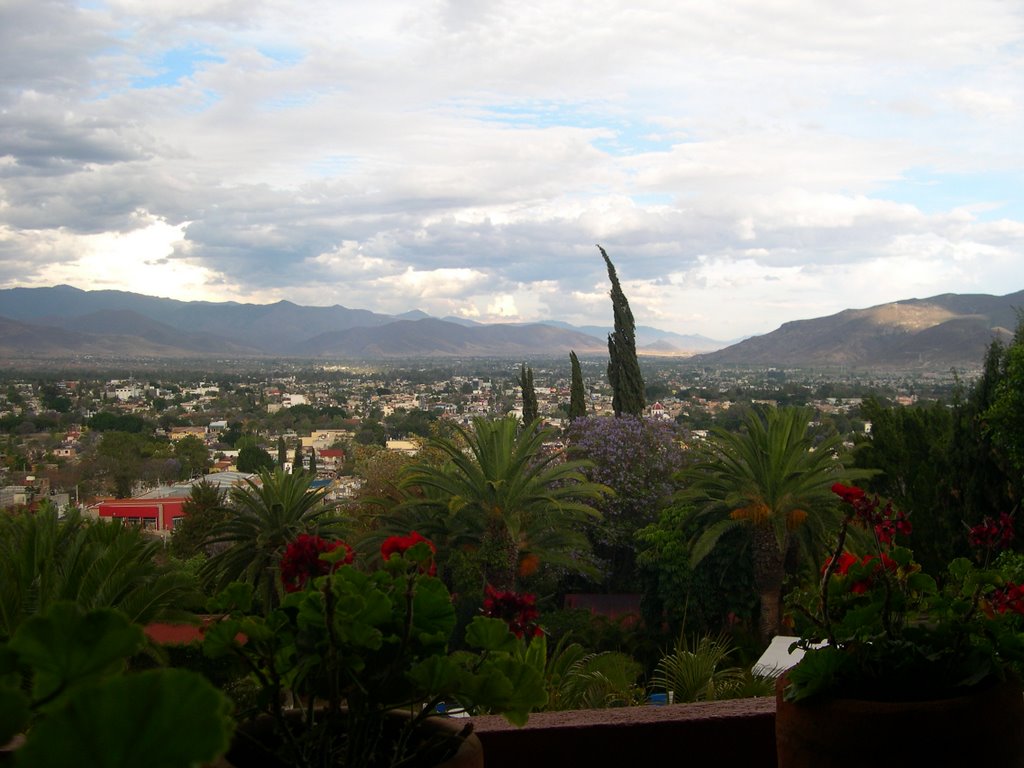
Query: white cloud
(738, 159)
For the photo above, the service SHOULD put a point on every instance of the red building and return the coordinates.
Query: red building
(154, 514)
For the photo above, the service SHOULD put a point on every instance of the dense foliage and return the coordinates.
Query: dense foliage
(773, 480)
(502, 494)
(637, 458)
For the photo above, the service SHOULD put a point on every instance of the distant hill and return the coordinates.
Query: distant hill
(653, 340)
(951, 330)
(271, 329)
(945, 331)
(64, 321)
(41, 341)
(409, 338)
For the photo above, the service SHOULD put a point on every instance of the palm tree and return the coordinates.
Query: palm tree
(266, 514)
(44, 559)
(501, 492)
(772, 478)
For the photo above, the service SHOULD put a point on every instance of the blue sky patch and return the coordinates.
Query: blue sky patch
(935, 192)
(625, 137)
(175, 65)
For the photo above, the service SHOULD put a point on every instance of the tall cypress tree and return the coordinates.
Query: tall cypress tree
(531, 410)
(297, 461)
(623, 368)
(282, 452)
(577, 397)
(312, 462)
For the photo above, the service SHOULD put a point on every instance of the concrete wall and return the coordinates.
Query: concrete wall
(735, 732)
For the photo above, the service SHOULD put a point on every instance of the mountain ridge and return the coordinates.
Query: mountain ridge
(948, 330)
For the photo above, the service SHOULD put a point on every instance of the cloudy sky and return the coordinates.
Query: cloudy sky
(744, 162)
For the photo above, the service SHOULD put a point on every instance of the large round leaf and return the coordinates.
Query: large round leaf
(164, 718)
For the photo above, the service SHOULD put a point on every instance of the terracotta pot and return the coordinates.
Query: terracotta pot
(248, 749)
(983, 729)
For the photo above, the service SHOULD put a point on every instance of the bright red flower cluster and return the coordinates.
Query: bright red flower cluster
(301, 560)
(848, 560)
(1007, 598)
(397, 545)
(851, 494)
(992, 534)
(519, 611)
(886, 522)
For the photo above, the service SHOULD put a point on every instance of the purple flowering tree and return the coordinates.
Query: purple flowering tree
(637, 458)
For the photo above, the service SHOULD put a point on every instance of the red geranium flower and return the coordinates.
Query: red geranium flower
(518, 610)
(842, 566)
(848, 493)
(301, 560)
(992, 534)
(848, 560)
(1007, 598)
(397, 545)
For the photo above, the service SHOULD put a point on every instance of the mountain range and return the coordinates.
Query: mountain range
(63, 321)
(950, 330)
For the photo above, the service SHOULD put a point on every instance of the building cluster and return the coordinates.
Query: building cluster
(319, 415)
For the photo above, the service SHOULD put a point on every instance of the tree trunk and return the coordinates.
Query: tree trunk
(501, 555)
(769, 571)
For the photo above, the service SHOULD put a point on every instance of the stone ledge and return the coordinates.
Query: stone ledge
(733, 732)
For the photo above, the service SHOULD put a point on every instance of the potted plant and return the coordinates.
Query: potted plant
(349, 648)
(889, 649)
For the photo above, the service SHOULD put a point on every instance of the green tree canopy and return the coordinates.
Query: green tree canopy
(1005, 415)
(251, 458)
(204, 510)
(577, 395)
(774, 480)
(623, 367)
(193, 455)
(268, 513)
(910, 447)
(530, 408)
(500, 491)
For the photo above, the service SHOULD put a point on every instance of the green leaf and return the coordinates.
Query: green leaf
(921, 582)
(164, 718)
(960, 568)
(436, 675)
(902, 556)
(220, 638)
(528, 691)
(489, 687)
(536, 654)
(815, 674)
(433, 615)
(67, 646)
(235, 597)
(491, 635)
